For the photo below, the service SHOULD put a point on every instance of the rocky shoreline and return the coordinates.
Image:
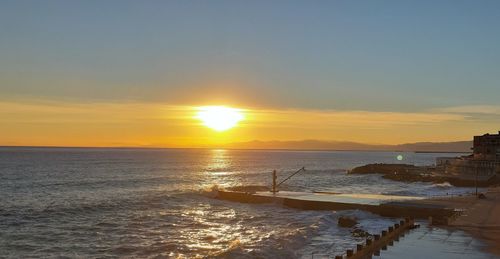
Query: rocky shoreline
(412, 173)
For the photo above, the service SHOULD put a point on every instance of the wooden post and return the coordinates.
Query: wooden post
(380, 242)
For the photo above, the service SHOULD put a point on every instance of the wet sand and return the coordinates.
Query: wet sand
(481, 217)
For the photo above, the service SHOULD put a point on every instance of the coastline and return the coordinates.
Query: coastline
(480, 218)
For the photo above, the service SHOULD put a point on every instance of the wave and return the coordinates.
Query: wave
(249, 188)
(87, 206)
(443, 185)
(321, 236)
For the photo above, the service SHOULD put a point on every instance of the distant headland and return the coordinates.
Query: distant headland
(456, 146)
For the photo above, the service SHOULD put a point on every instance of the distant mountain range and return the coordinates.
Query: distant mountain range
(457, 146)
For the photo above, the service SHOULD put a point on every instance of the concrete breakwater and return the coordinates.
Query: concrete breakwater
(412, 173)
(384, 205)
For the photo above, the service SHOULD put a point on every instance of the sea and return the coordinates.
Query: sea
(158, 203)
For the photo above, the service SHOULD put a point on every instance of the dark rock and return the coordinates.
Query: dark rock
(347, 222)
(412, 173)
(481, 196)
(414, 226)
(357, 232)
(387, 169)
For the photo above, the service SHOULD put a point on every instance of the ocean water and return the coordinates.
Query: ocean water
(71, 202)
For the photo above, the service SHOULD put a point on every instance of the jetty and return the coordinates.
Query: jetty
(372, 246)
(384, 205)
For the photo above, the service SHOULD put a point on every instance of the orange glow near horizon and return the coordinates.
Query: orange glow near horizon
(38, 123)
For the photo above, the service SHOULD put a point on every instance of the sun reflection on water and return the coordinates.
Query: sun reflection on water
(217, 229)
(220, 160)
(219, 170)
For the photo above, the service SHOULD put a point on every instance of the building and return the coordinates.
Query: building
(483, 164)
(466, 168)
(487, 147)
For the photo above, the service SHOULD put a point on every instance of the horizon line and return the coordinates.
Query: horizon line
(228, 148)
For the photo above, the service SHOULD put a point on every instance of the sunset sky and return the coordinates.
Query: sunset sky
(135, 73)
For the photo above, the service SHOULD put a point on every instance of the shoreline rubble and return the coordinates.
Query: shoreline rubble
(413, 173)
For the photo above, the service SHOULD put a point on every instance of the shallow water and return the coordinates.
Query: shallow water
(433, 242)
(150, 202)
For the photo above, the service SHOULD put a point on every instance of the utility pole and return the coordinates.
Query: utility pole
(275, 177)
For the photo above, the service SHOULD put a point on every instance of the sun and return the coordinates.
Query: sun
(219, 118)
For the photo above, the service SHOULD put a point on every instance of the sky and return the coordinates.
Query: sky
(133, 73)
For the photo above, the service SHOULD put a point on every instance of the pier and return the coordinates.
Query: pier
(384, 205)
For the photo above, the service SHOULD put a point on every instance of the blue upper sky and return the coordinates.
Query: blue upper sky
(351, 55)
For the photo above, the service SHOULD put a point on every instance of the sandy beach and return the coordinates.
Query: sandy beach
(480, 217)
